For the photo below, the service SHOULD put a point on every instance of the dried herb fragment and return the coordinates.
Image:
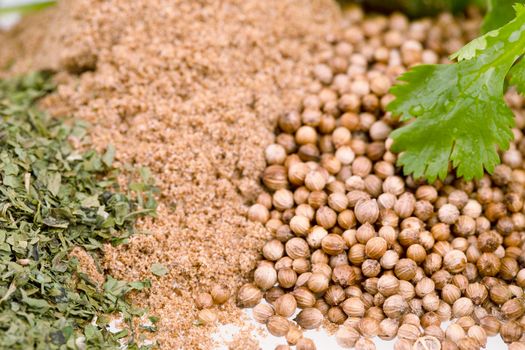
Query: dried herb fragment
(159, 270)
(54, 198)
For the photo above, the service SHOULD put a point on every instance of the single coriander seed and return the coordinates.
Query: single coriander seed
(309, 318)
(207, 316)
(278, 325)
(204, 300)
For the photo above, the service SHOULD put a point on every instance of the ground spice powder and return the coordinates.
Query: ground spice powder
(191, 89)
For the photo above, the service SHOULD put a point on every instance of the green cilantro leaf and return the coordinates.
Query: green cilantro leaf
(471, 50)
(499, 13)
(460, 115)
(517, 76)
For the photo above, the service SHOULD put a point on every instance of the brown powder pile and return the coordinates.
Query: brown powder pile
(191, 89)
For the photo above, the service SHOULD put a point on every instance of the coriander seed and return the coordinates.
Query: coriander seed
(509, 269)
(334, 295)
(318, 282)
(468, 344)
(322, 306)
(395, 306)
(346, 337)
(491, 325)
(427, 343)
(353, 307)
(249, 295)
(297, 248)
(448, 345)
(344, 275)
(462, 307)
(309, 318)
(388, 329)
(364, 344)
(315, 181)
(265, 277)
(517, 345)
(488, 264)
(299, 225)
(220, 294)
(368, 327)
(511, 331)
(406, 290)
(405, 269)
(375, 248)
(448, 214)
(444, 311)
(465, 322)
(431, 302)
(388, 285)
(513, 309)
(455, 333)
(477, 293)
(275, 177)
(204, 300)
(425, 286)
(304, 297)
(262, 312)
(305, 344)
(273, 250)
(370, 268)
(301, 265)
(294, 334)
(278, 325)
(408, 332)
(389, 259)
(258, 213)
(207, 316)
(417, 253)
(478, 334)
(336, 315)
(333, 244)
(285, 305)
(412, 319)
(286, 277)
(367, 211)
(454, 261)
(435, 331)
(430, 318)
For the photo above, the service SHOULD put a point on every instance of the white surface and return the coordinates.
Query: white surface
(18, 2)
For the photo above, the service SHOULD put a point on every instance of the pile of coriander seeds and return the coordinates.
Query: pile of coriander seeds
(357, 244)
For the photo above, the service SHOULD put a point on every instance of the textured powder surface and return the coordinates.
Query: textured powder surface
(191, 89)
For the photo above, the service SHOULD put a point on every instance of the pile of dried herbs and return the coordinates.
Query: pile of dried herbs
(53, 198)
